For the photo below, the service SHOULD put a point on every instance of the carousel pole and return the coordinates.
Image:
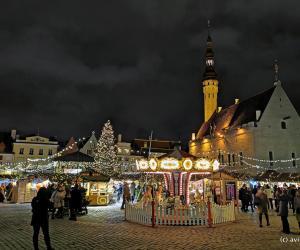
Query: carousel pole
(153, 192)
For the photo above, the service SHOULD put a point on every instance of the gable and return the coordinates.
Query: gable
(37, 139)
(278, 109)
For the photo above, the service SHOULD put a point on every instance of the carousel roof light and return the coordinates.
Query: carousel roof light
(202, 164)
(169, 164)
(188, 164)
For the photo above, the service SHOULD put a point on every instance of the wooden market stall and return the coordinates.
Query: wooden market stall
(99, 188)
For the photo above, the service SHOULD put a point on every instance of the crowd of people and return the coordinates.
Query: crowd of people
(129, 193)
(267, 199)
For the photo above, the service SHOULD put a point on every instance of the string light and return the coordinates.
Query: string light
(250, 158)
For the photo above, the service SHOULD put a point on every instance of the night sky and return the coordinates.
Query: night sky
(68, 66)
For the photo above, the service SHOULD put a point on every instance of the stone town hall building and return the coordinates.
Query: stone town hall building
(259, 133)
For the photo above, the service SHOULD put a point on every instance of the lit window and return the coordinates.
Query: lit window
(209, 62)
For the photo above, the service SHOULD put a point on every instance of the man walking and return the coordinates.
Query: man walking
(40, 218)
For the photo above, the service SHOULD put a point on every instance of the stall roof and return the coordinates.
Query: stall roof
(76, 156)
(96, 178)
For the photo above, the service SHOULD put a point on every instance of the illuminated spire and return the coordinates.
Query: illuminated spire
(209, 72)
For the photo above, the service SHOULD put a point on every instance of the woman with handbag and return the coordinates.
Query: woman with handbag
(297, 206)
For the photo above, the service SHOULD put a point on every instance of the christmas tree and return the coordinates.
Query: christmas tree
(106, 151)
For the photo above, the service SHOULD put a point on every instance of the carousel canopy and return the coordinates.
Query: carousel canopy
(75, 157)
(177, 160)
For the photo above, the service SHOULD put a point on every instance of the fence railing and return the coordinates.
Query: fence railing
(189, 216)
(223, 213)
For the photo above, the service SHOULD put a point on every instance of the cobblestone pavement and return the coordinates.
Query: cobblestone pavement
(104, 228)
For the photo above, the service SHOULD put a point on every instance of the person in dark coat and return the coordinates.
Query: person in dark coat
(40, 218)
(75, 202)
(242, 197)
(262, 206)
(284, 211)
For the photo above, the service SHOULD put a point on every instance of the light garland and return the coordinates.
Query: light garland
(247, 157)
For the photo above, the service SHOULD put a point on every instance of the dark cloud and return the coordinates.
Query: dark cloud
(67, 66)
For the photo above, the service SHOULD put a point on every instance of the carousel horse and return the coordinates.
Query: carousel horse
(147, 198)
(158, 196)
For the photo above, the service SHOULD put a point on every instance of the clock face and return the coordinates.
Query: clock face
(209, 62)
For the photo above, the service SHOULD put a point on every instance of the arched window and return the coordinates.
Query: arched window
(283, 125)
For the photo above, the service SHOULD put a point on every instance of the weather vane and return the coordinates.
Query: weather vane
(276, 69)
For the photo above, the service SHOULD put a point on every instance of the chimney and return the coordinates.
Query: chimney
(258, 114)
(119, 137)
(13, 134)
(219, 109)
(236, 101)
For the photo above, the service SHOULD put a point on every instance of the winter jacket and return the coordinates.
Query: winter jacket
(58, 198)
(269, 193)
(39, 211)
(76, 200)
(283, 205)
(263, 202)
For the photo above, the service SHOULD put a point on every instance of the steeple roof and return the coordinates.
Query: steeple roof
(209, 72)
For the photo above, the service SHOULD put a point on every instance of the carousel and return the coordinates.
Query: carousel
(185, 176)
(179, 199)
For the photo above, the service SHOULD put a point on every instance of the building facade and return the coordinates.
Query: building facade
(33, 147)
(257, 134)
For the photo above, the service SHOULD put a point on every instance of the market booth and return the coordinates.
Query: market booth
(99, 188)
(225, 186)
(24, 190)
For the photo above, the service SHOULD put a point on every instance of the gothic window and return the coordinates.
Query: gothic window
(271, 158)
(229, 162)
(294, 161)
(283, 125)
(241, 158)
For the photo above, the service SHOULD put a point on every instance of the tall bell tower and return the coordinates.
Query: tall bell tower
(210, 81)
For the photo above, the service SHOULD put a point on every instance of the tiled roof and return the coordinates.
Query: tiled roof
(236, 115)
